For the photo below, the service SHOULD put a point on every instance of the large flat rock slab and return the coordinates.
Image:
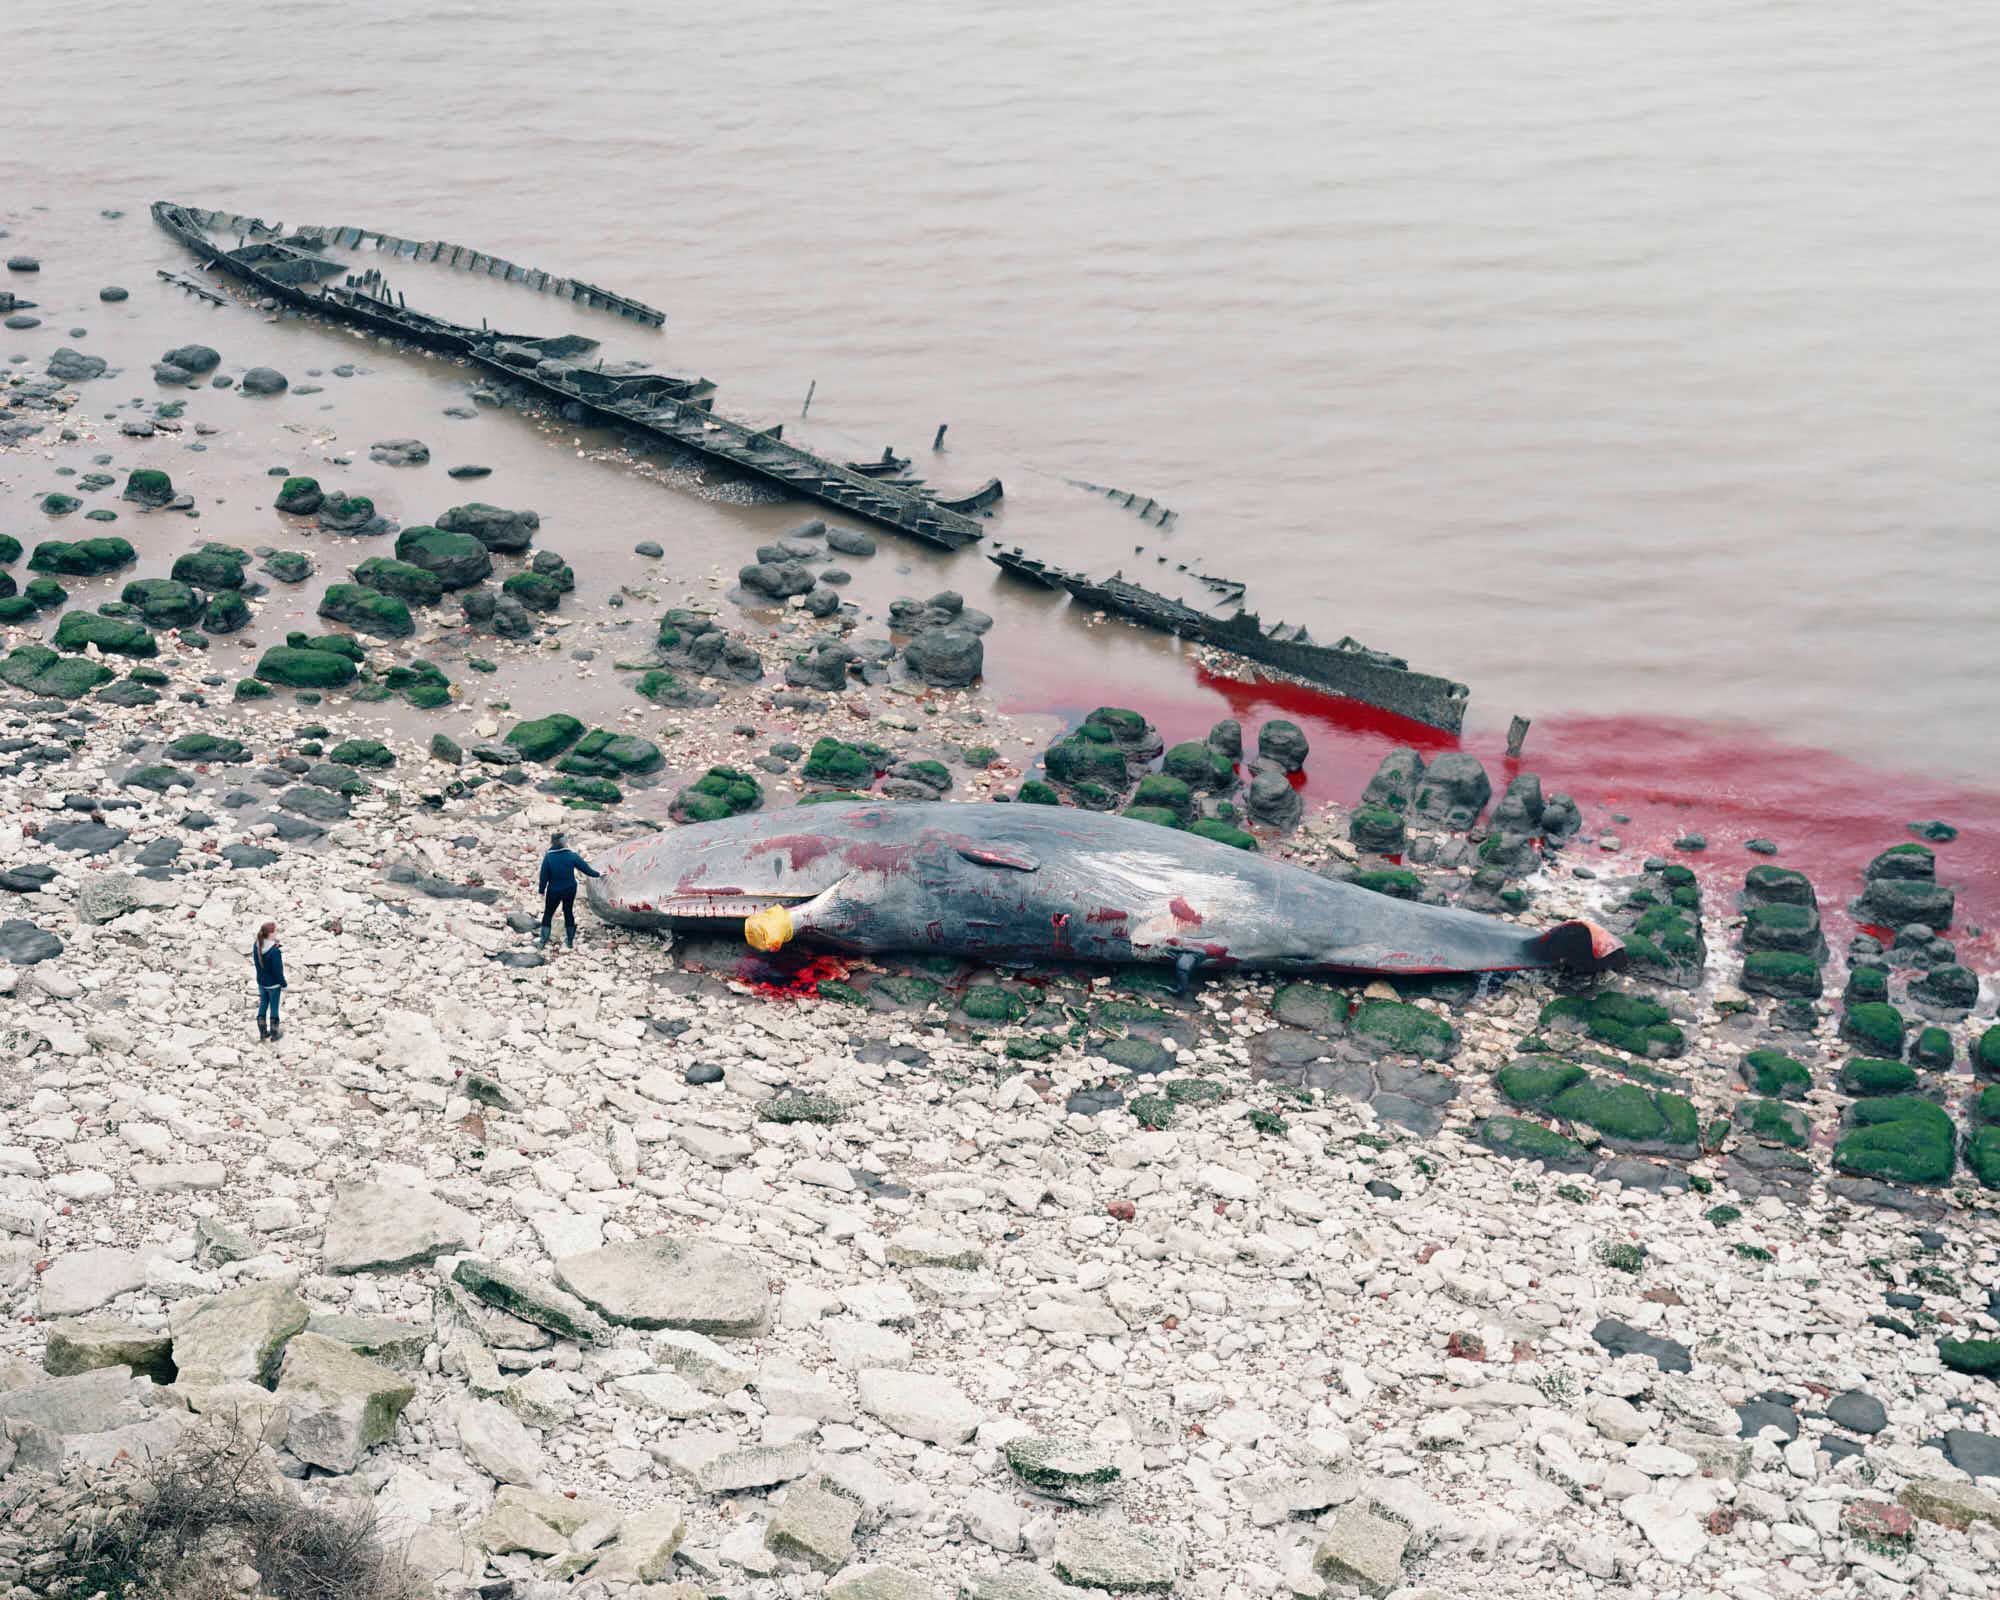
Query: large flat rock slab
(665, 1282)
(379, 1227)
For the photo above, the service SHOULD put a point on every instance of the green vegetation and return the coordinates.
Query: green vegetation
(1200, 766)
(1404, 1028)
(1722, 1216)
(84, 558)
(1781, 926)
(1152, 1110)
(1530, 1141)
(1782, 972)
(544, 738)
(1165, 792)
(1625, 1021)
(163, 602)
(79, 629)
(41, 671)
(1622, 1256)
(399, 578)
(1159, 816)
(1398, 883)
(1771, 1072)
(1036, 793)
(1775, 1123)
(213, 566)
(986, 1002)
(1979, 1357)
(836, 761)
(720, 792)
(1903, 1139)
(367, 611)
(1866, 985)
(1779, 885)
(1079, 759)
(1933, 1050)
(1876, 1027)
(1865, 1078)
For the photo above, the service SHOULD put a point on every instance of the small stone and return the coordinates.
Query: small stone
(1098, 1553)
(918, 1405)
(1364, 1549)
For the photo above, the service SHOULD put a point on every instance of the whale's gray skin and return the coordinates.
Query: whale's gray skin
(1041, 883)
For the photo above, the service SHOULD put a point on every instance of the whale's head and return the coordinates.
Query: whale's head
(720, 872)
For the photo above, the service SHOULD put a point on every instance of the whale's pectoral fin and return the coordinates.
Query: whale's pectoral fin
(1580, 946)
(1005, 860)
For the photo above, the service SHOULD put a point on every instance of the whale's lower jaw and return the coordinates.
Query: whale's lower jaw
(727, 911)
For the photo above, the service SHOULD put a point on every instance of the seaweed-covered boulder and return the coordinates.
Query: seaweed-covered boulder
(163, 602)
(1865, 1078)
(1454, 791)
(1875, 1026)
(720, 792)
(206, 747)
(533, 590)
(1390, 1027)
(456, 560)
(1783, 925)
(227, 612)
(665, 688)
(721, 655)
(302, 496)
(946, 658)
(1201, 766)
(1396, 780)
(1785, 973)
(408, 583)
(82, 558)
(10, 549)
(303, 667)
(1126, 729)
(1766, 885)
(44, 593)
(41, 671)
(838, 762)
(1214, 828)
(1521, 806)
(601, 753)
(1900, 1139)
(148, 486)
(1077, 759)
(57, 504)
(1167, 793)
(367, 611)
(371, 753)
(545, 738)
(1376, 829)
(495, 527)
(112, 635)
(348, 513)
(1775, 1075)
(194, 358)
(213, 566)
(1625, 1021)
(1902, 888)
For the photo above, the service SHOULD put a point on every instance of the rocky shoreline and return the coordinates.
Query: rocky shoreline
(665, 1269)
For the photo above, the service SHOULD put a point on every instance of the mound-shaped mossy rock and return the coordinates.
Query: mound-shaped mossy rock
(1979, 1358)
(367, 611)
(1398, 883)
(1867, 985)
(289, 566)
(1167, 793)
(1625, 1021)
(1201, 767)
(44, 593)
(16, 609)
(1783, 973)
(1867, 1079)
(509, 532)
(421, 683)
(57, 504)
(1776, 1075)
(534, 590)
(1211, 828)
(1782, 926)
(1773, 1122)
(413, 585)
(1531, 1141)
(545, 738)
(1631, 1116)
(346, 513)
(1158, 816)
(1982, 1154)
(305, 668)
(1986, 1054)
(163, 602)
(456, 560)
(227, 612)
(208, 747)
(1766, 885)
(41, 671)
(836, 761)
(1390, 1027)
(213, 566)
(371, 753)
(300, 496)
(1376, 829)
(986, 1002)
(720, 792)
(82, 558)
(148, 486)
(1932, 1050)
(601, 753)
(1902, 1139)
(10, 549)
(1078, 759)
(1036, 793)
(1874, 1026)
(113, 635)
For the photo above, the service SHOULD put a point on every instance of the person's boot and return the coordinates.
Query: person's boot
(277, 1033)
(570, 942)
(543, 942)
(263, 1032)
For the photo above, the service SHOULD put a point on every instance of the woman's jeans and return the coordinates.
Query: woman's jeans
(267, 1005)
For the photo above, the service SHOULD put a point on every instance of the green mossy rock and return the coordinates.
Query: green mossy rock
(289, 566)
(1772, 1073)
(1159, 816)
(545, 738)
(718, 793)
(1392, 1026)
(79, 629)
(1535, 1081)
(1398, 883)
(1874, 1026)
(367, 611)
(41, 671)
(456, 560)
(57, 504)
(601, 753)
(1625, 1021)
(663, 688)
(208, 747)
(16, 608)
(1530, 1141)
(1773, 1122)
(371, 753)
(1081, 760)
(534, 590)
(589, 791)
(252, 689)
(1036, 793)
(1778, 886)
(1118, 724)
(1982, 1154)
(1867, 986)
(148, 486)
(300, 496)
(340, 644)
(1783, 973)
(1627, 1113)
(227, 612)
(1376, 829)
(1165, 793)
(1978, 1357)
(399, 578)
(163, 602)
(44, 594)
(1933, 1050)
(836, 761)
(1902, 1139)
(304, 668)
(213, 566)
(10, 549)
(82, 558)
(1868, 1079)
(986, 1002)
(1221, 832)
(1782, 926)
(832, 797)
(1200, 767)
(1986, 1054)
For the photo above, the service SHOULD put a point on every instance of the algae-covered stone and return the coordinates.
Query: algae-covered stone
(986, 1002)
(227, 612)
(305, 668)
(1933, 1050)
(367, 611)
(1782, 926)
(493, 526)
(1069, 1469)
(300, 496)
(1377, 829)
(111, 635)
(1398, 883)
(1874, 1026)
(1630, 1114)
(41, 671)
(1901, 1138)
(347, 513)
(1118, 1557)
(1080, 760)
(163, 602)
(341, 1404)
(1773, 1122)
(1216, 829)
(1979, 1357)
(530, 1298)
(1201, 767)
(1768, 885)
(82, 558)
(1158, 816)
(1783, 973)
(534, 590)
(1036, 793)
(1389, 1026)
(1627, 1021)
(1773, 1073)
(148, 486)
(720, 792)
(544, 738)
(399, 578)
(213, 566)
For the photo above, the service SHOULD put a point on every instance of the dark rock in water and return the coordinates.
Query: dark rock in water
(163, 602)
(265, 380)
(1395, 782)
(456, 559)
(1761, 847)
(1858, 1412)
(821, 602)
(1283, 745)
(1623, 1340)
(822, 667)
(647, 547)
(1453, 791)
(1094, 1102)
(1520, 808)
(1935, 832)
(1561, 818)
(478, 605)
(73, 366)
(501, 530)
(349, 513)
(1895, 901)
(511, 619)
(702, 1072)
(112, 292)
(1273, 801)
(779, 580)
(468, 471)
(303, 496)
(24, 944)
(946, 658)
(245, 857)
(1948, 988)
(173, 377)
(23, 264)
(21, 321)
(160, 853)
(195, 358)
(1693, 842)
(1767, 1411)
(213, 566)
(399, 452)
(850, 542)
(366, 611)
(288, 566)
(222, 380)
(1376, 829)
(1227, 737)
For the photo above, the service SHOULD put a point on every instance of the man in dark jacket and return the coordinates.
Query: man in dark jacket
(559, 869)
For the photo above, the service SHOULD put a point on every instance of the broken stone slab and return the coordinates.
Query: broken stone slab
(1072, 1470)
(645, 1547)
(1363, 1549)
(1018, 1582)
(933, 1247)
(876, 1582)
(86, 1345)
(918, 1405)
(1278, 1494)
(510, 1530)
(495, 1442)
(665, 1394)
(1950, 1504)
(342, 1404)
(86, 1403)
(488, 1325)
(702, 1361)
(238, 1336)
(395, 1344)
(1099, 1553)
(719, 1464)
(560, 1512)
(663, 1282)
(815, 1526)
(379, 1227)
(531, 1299)
(83, 1280)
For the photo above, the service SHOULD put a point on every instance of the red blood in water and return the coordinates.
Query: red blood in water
(1829, 815)
(790, 975)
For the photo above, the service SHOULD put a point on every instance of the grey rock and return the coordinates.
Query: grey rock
(1283, 744)
(529, 1298)
(24, 944)
(1858, 1412)
(73, 366)
(1363, 1549)
(89, 1344)
(663, 1282)
(379, 1226)
(814, 1525)
(918, 1405)
(341, 1404)
(82, 1280)
(496, 527)
(1099, 1553)
(238, 1336)
(1623, 1340)
(264, 380)
(946, 658)
(1453, 791)
(195, 358)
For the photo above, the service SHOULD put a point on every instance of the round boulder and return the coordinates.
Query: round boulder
(946, 658)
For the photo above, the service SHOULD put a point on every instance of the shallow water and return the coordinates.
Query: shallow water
(1623, 363)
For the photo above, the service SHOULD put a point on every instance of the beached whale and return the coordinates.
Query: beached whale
(1046, 883)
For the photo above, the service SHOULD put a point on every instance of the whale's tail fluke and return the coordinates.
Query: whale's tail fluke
(1580, 946)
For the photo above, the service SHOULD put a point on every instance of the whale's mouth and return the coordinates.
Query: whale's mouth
(722, 905)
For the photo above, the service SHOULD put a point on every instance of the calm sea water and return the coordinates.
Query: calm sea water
(1617, 360)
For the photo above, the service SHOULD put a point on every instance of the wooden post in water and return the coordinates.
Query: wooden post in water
(1517, 735)
(938, 442)
(809, 397)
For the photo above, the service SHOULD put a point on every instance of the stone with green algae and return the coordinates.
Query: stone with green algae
(1391, 1027)
(1901, 1139)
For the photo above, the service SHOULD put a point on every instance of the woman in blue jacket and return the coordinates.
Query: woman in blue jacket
(558, 883)
(269, 961)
